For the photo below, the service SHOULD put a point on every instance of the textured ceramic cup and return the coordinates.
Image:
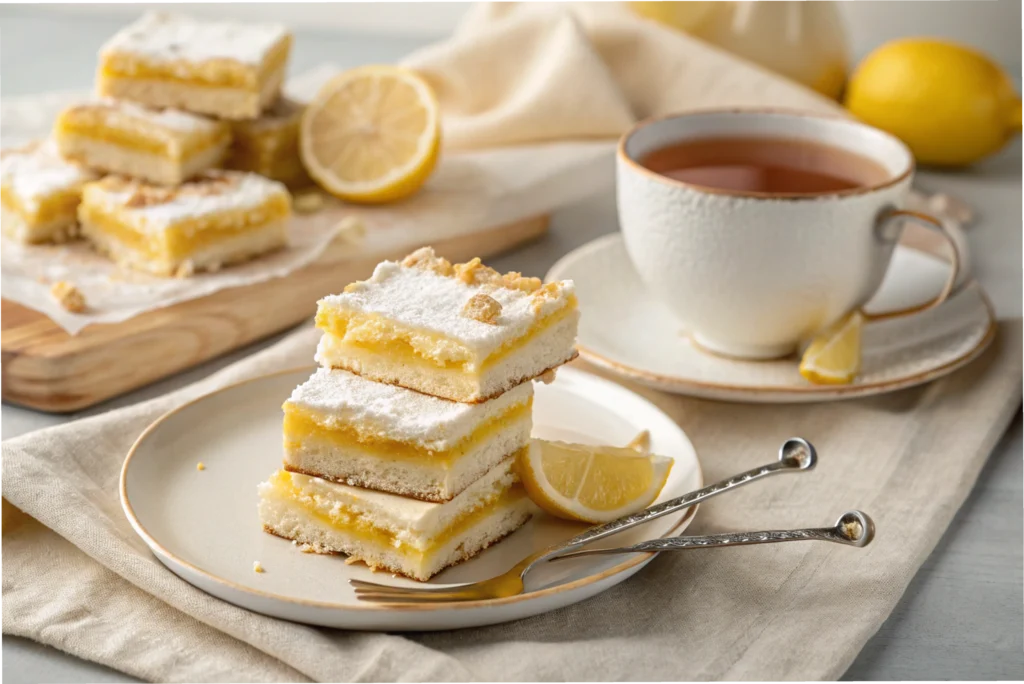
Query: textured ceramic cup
(752, 274)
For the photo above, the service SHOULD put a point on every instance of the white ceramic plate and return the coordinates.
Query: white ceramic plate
(203, 525)
(628, 331)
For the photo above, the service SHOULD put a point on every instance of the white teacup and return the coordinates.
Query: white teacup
(752, 274)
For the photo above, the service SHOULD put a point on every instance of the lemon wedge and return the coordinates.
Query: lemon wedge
(833, 357)
(593, 484)
(372, 134)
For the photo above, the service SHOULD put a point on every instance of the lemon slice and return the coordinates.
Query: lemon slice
(833, 358)
(588, 483)
(372, 134)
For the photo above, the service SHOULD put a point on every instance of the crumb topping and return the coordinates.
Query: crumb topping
(154, 207)
(473, 272)
(425, 260)
(483, 308)
(209, 184)
(257, 567)
(68, 296)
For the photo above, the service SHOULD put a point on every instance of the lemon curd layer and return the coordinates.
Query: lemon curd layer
(175, 222)
(376, 334)
(396, 420)
(269, 145)
(167, 133)
(184, 237)
(330, 508)
(300, 426)
(54, 207)
(39, 192)
(179, 49)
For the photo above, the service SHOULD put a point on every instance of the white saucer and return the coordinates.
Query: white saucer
(203, 525)
(627, 331)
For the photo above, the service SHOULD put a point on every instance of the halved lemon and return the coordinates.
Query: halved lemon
(591, 483)
(833, 357)
(372, 134)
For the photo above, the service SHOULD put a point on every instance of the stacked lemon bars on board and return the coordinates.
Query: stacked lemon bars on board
(181, 163)
(400, 449)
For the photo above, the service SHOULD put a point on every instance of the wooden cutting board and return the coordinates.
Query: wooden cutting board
(45, 368)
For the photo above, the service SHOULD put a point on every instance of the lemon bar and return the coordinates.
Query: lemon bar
(219, 218)
(461, 332)
(161, 146)
(415, 538)
(226, 69)
(345, 428)
(39, 193)
(269, 145)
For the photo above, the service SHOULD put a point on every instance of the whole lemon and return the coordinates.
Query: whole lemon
(950, 104)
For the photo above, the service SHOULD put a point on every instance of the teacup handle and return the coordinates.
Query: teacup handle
(885, 222)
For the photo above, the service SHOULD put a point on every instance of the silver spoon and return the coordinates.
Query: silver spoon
(854, 528)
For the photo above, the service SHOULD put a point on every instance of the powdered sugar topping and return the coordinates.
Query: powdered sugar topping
(338, 397)
(423, 299)
(214, 192)
(37, 171)
(173, 119)
(163, 37)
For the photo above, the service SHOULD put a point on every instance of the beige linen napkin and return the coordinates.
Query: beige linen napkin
(77, 577)
(517, 73)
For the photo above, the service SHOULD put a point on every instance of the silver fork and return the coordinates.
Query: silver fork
(795, 455)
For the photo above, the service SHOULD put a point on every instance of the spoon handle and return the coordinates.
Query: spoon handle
(854, 528)
(794, 455)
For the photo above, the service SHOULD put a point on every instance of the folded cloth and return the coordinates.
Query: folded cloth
(77, 577)
(517, 73)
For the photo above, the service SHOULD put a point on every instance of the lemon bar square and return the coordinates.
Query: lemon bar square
(39, 193)
(461, 332)
(414, 538)
(161, 146)
(226, 69)
(219, 218)
(345, 428)
(269, 145)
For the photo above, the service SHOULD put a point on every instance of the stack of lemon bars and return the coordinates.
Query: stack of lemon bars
(182, 162)
(400, 449)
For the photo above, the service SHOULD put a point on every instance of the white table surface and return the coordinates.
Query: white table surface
(961, 617)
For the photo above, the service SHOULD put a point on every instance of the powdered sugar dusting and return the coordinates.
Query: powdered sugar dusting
(422, 299)
(173, 119)
(338, 397)
(37, 171)
(242, 191)
(163, 37)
